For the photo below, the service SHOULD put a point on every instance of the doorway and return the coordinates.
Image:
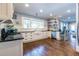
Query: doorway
(68, 32)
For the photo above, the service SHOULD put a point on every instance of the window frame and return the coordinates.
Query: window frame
(33, 19)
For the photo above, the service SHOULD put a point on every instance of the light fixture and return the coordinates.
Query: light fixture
(41, 10)
(27, 5)
(68, 11)
(51, 14)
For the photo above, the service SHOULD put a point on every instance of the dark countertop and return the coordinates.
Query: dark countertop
(12, 39)
(18, 36)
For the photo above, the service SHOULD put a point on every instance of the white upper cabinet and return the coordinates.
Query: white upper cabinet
(6, 11)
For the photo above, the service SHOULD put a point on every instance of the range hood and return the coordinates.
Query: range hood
(6, 21)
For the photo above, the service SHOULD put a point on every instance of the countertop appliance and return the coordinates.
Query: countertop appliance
(3, 34)
(7, 32)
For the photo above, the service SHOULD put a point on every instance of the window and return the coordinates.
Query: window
(33, 23)
(26, 23)
(37, 24)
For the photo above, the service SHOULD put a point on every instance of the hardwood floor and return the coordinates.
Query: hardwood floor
(49, 47)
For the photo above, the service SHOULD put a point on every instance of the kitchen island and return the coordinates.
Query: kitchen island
(11, 47)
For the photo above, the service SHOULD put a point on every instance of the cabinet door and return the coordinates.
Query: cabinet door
(6, 11)
(9, 10)
(2, 10)
(45, 35)
(34, 36)
(41, 35)
(49, 34)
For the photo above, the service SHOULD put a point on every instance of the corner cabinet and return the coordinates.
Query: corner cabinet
(6, 11)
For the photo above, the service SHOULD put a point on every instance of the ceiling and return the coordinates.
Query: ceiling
(57, 9)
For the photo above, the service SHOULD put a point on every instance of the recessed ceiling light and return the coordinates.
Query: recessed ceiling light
(27, 5)
(68, 11)
(41, 10)
(51, 14)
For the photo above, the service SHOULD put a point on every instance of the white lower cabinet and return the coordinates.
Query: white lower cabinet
(49, 34)
(45, 35)
(29, 37)
(11, 48)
